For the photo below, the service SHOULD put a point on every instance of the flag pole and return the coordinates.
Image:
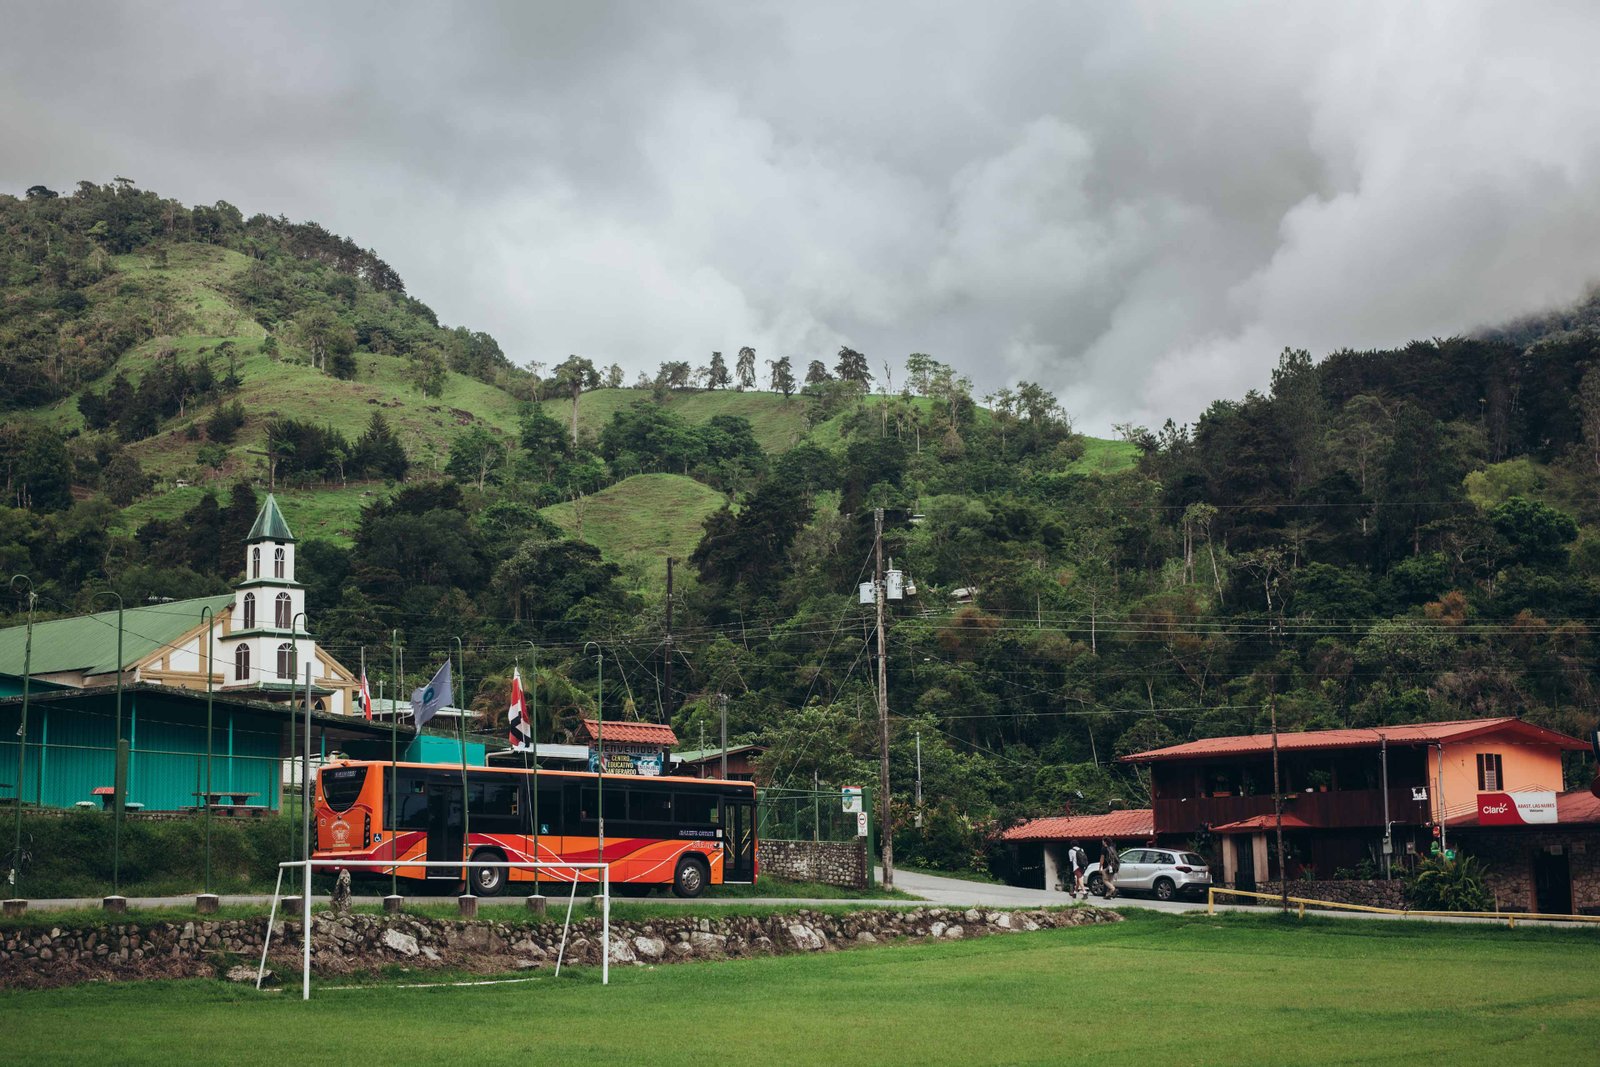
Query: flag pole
(461, 738)
(394, 762)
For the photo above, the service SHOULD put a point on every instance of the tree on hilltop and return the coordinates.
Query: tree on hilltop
(573, 376)
(746, 367)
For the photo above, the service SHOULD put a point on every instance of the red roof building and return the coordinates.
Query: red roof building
(653, 734)
(1347, 794)
(628, 747)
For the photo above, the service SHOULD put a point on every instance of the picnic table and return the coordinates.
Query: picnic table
(229, 802)
(215, 797)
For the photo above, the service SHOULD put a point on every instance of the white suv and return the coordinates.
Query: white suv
(1161, 871)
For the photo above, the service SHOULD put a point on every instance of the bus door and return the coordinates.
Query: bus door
(445, 839)
(739, 840)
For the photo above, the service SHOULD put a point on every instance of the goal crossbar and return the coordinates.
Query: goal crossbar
(306, 866)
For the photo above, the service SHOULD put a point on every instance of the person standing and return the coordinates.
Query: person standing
(1078, 860)
(1110, 864)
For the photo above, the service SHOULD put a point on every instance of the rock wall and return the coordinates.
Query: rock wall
(1374, 893)
(345, 943)
(1508, 859)
(841, 863)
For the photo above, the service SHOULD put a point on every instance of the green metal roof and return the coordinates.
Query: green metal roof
(88, 643)
(270, 524)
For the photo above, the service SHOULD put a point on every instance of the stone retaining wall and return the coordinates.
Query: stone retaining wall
(1373, 893)
(345, 943)
(842, 863)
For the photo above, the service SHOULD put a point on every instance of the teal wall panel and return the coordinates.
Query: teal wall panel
(167, 763)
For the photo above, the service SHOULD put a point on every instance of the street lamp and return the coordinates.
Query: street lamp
(22, 734)
(599, 747)
(294, 666)
(208, 620)
(461, 740)
(119, 791)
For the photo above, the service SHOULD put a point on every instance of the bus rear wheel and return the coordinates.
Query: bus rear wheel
(487, 881)
(689, 880)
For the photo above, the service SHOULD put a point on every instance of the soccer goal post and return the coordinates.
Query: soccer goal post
(603, 879)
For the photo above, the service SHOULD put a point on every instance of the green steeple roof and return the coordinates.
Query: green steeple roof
(270, 524)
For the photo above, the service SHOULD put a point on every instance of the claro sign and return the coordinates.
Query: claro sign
(1516, 809)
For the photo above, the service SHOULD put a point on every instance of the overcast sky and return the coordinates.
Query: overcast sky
(1137, 204)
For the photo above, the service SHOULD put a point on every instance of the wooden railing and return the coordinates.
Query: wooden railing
(1333, 809)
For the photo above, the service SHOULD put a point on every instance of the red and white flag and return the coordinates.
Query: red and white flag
(521, 732)
(366, 699)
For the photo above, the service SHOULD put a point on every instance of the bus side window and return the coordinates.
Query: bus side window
(649, 805)
(550, 821)
(695, 809)
(413, 800)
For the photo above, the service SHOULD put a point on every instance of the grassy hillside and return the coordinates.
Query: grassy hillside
(285, 386)
(642, 520)
(779, 424)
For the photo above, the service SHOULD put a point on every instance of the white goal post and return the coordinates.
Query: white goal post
(306, 866)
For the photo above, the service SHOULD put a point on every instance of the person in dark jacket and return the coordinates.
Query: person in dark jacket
(1110, 864)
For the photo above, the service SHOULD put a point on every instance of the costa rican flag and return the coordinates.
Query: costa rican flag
(521, 732)
(366, 699)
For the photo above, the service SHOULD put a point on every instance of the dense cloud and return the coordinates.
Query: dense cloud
(1137, 204)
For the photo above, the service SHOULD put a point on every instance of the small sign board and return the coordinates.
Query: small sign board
(1516, 809)
(861, 824)
(1419, 792)
(851, 797)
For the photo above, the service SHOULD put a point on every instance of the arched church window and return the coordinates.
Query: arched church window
(249, 611)
(286, 660)
(241, 663)
(277, 563)
(255, 563)
(282, 615)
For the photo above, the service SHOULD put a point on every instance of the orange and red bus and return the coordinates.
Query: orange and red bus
(686, 833)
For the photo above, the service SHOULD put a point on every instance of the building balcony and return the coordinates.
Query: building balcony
(1332, 809)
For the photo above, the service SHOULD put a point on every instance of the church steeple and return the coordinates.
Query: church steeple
(270, 524)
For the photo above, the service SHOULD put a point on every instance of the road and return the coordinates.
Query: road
(929, 888)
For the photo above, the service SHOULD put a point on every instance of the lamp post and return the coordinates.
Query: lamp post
(208, 619)
(461, 741)
(22, 735)
(394, 762)
(599, 748)
(119, 791)
(294, 666)
(533, 733)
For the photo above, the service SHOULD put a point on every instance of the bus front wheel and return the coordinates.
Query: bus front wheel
(487, 881)
(689, 880)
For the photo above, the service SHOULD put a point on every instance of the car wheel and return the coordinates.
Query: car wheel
(487, 881)
(1097, 884)
(1164, 888)
(689, 880)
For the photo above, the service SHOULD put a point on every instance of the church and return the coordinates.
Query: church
(253, 645)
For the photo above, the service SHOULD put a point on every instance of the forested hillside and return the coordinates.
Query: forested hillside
(1380, 537)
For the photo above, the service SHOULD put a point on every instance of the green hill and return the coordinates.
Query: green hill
(640, 521)
(779, 424)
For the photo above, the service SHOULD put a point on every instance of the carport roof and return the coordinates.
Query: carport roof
(1132, 824)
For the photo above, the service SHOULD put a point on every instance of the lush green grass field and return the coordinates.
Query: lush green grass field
(642, 520)
(1160, 989)
(778, 424)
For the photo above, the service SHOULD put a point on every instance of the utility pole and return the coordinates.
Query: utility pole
(919, 779)
(1277, 804)
(667, 702)
(722, 703)
(883, 704)
(1388, 836)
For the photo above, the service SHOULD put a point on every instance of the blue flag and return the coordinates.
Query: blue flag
(425, 702)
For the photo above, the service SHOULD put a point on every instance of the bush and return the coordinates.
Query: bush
(1440, 884)
(72, 854)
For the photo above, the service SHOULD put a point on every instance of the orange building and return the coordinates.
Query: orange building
(1346, 792)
